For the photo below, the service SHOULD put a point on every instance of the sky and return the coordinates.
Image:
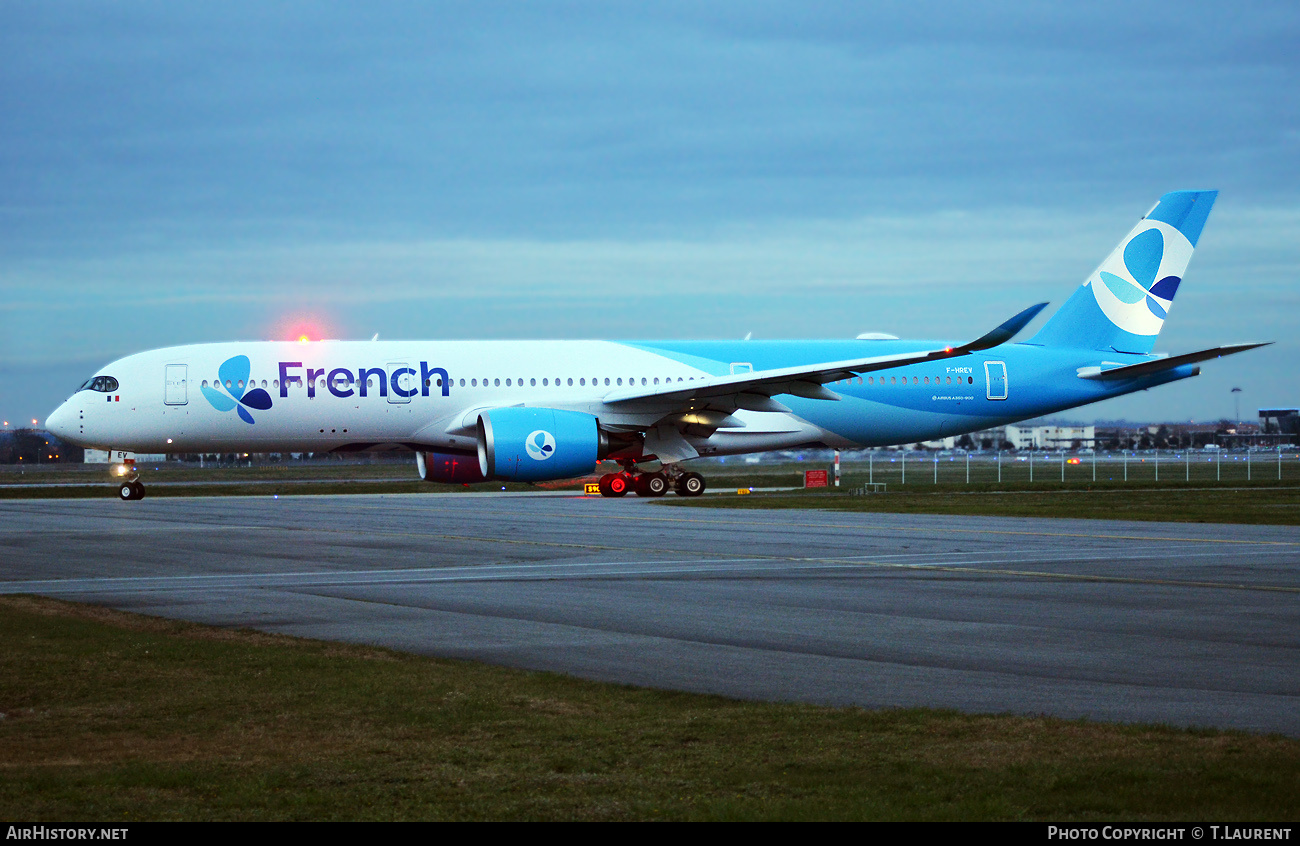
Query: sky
(175, 173)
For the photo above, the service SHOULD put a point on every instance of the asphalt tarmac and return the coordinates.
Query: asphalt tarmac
(1186, 624)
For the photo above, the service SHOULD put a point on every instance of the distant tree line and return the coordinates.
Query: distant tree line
(32, 446)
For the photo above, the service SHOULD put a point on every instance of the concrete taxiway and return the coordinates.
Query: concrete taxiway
(1188, 624)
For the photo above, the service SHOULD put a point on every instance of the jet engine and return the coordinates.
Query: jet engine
(455, 468)
(538, 444)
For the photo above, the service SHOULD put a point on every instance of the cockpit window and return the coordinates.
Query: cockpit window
(103, 384)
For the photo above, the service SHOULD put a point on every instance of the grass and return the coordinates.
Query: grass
(1265, 503)
(1261, 499)
(116, 717)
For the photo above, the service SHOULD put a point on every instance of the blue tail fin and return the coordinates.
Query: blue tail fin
(1124, 303)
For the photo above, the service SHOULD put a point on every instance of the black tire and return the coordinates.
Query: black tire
(618, 484)
(126, 491)
(654, 484)
(139, 490)
(690, 484)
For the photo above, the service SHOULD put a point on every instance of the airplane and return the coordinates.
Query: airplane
(537, 411)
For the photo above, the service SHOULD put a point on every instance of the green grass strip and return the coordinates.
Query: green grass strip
(1264, 504)
(116, 717)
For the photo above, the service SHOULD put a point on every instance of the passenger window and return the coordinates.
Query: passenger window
(496, 383)
(570, 381)
(507, 383)
(582, 383)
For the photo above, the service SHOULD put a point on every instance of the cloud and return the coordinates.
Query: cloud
(177, 173)
(129, 122)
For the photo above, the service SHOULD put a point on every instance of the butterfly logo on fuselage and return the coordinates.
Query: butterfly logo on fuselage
(233, 375)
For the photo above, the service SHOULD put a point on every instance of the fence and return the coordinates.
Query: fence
(1172, 466)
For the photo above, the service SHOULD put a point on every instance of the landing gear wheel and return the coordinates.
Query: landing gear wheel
(130, 490)
(613, 484)
(689, 484)
(651, 484)
(139, 490)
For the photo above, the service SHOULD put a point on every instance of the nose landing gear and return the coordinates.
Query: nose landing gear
(129, 487)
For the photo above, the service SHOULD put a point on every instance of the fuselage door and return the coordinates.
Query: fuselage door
(174, 387)
(995, 377)
(402, 382)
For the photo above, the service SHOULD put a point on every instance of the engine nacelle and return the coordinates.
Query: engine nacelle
(448, 467)
(537, 444)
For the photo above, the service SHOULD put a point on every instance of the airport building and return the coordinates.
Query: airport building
(1052, 437)
(1279, 421)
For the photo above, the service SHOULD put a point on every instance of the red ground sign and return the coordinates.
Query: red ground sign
(814, 479)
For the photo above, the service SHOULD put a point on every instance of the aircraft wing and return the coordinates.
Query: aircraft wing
(1157, 365)
(809, 380)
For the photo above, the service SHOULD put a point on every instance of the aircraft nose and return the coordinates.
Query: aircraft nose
(62, 422)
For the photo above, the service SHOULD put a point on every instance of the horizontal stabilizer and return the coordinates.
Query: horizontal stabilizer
(1159, 365)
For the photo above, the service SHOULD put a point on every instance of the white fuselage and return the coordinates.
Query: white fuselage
(320, 400)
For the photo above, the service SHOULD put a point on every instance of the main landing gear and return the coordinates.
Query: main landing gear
(651, 484)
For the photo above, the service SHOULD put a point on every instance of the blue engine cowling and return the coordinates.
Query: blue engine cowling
(537, 444)
(450, 467)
